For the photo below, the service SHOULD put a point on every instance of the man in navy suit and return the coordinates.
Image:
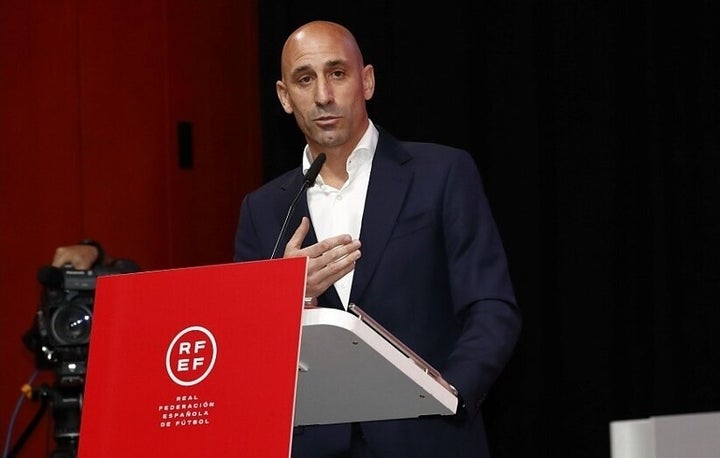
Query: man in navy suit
(431, 269)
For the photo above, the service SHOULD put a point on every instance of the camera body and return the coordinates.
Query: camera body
(63, 326)
(61, 335)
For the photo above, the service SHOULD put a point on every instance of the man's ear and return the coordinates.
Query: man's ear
(282, 94)
(368, 74)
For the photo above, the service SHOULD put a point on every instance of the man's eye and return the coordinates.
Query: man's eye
(304, 80)
(337, 74)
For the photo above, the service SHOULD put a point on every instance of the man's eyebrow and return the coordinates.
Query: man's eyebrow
(328, 65)
(335, 63)
(300, 69)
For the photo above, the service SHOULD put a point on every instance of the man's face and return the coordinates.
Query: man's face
(325, 87)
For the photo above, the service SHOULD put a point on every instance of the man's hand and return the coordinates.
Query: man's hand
(82, 257)
(329, 260)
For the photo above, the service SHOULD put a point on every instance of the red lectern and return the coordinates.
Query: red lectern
(209, 361)
(194, 362)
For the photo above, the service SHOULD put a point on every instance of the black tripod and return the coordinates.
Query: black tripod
(66, 403)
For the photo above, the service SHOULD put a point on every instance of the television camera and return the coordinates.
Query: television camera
(60, 339)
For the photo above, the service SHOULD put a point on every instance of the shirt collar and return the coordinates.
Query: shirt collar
(363, 152)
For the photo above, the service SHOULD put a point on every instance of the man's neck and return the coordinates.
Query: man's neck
(334, 171)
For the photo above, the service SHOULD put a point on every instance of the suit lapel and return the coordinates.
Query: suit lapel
(290, 189)
(387, 190)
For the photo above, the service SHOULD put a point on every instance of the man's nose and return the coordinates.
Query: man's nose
(323, 92)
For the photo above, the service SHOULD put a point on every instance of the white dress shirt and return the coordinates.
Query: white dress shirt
(340, 211)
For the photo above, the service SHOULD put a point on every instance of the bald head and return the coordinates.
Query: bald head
(317, 36)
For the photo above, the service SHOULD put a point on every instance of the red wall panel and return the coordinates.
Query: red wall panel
(39, 186)
(90, 95)
(218, 95)
(123, 111)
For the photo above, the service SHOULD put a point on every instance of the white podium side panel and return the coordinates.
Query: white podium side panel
(632, 439)
(348, 372)
(687, 436)
(667, 436)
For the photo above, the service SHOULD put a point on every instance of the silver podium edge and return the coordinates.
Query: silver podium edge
(351, 369)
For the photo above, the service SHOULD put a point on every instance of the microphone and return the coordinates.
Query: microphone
(308, 182)
(313, 172)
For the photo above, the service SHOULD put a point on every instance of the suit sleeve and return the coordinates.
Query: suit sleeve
(483, 296)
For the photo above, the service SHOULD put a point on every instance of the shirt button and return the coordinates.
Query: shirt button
(338, 197)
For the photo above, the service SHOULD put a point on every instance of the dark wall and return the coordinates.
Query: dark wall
(595, 126)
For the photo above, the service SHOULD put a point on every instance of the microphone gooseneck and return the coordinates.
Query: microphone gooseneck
(308, 182)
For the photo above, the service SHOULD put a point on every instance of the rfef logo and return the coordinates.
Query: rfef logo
(191, 356)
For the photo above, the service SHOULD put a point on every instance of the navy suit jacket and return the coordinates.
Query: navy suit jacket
(433, 272)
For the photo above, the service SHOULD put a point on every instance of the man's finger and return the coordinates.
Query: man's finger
(298, 236)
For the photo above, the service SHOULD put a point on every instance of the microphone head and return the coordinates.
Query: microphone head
(314, 169)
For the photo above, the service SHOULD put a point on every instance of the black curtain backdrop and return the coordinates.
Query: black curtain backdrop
(595, 125)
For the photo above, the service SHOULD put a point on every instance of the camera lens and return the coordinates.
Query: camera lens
(70, 325)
